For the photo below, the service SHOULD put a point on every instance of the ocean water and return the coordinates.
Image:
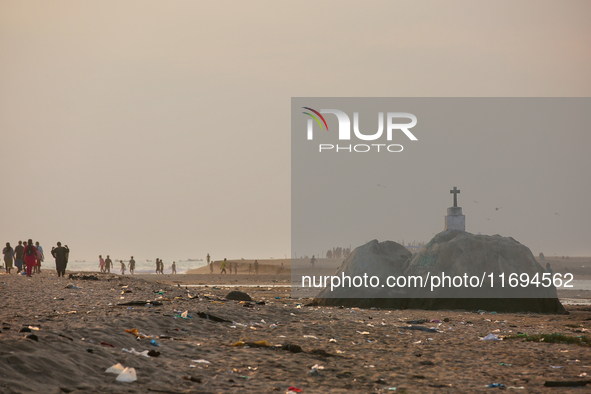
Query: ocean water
(141, 266)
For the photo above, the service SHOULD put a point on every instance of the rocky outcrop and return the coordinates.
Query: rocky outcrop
(450, 254)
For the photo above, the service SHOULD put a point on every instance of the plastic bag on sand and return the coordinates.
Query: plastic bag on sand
(490, 337)
(117, 368)
(128, 375)
(133, 351)
(315, 371)
(293, 389)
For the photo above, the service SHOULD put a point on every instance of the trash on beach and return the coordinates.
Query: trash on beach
(293, 389)
(127, 375)
(315, 371)
(192, 378)
(33, 337)
(310, 337)
(490, 337)
(25, 329)
(133, 351)
(201, 361)
(72, 286)
(153, 353)
(117, 369)
(363, 332)
(135, 332)
(154, 343)
(496, 385)
(506, 365)
(106, 344)
(435, 321)
(556, 366)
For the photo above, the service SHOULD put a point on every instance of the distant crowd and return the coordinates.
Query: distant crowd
(27, 258)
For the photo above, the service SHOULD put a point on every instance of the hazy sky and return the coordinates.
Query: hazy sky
(162, 129)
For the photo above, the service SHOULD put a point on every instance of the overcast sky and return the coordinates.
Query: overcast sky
(162, 129)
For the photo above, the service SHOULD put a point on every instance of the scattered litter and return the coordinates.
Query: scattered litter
(106, 344)
(496, 385)
(154, 343)
(292, 389)
(435, 321)
(556, 366)
(135, 332)
(315, 371)
(363, 332)
(153, 353)
(127, 375)
(117, 369)
(133, 351)
(310, 337)
(71, 286)
(490, 337)
(506, 365)
(201, 361)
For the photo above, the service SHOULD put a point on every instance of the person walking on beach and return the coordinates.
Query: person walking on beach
(30, 256)
(223, 270)
(256, 267)
(173, 267)
(235, 268)
(40, 257)
(101, 263)
(108, 265)
(61, 258)
(208, 259)
(19, 251)
(131, 265)
(249, 268)
(122, 267)
(8, 253)
(313, 261)
(210, 267)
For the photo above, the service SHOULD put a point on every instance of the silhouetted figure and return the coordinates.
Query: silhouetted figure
(108, 264)
(131, 265)
(173, 267)
(223, 270)
(61, 258)
(8, 257)
(19, 252)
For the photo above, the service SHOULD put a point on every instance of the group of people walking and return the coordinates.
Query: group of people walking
(160, 267)
(27, 257)
(105, 265)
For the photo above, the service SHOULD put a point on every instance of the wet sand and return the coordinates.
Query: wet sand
(365, 351)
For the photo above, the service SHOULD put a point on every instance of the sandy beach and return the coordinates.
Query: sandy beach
(56, 339)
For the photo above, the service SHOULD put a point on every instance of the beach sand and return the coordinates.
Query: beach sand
(82, 332)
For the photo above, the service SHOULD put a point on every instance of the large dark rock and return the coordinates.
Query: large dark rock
(450, 253)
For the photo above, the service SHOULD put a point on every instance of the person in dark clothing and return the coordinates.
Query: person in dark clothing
(30, 256)
(19, 252)
(61, 258)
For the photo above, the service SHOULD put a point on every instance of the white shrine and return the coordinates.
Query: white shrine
(454, 219)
